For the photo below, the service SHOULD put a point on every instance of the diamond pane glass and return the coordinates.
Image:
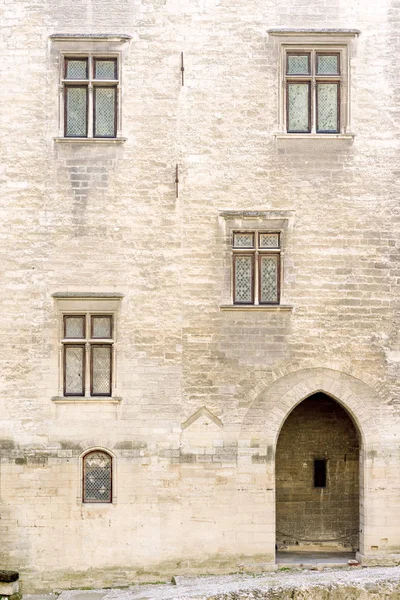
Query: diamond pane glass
(76, 69)
(104, 112)
(298, 64)
(298, 107)
(76, 111)
(101, 370)
(269, 240)
(327, 64)
(105, 69)
(244, 279)
(74, 369)
(327, 98)
(269, 279)
(243, 240)
(101, 327)
(97, 477)
(74, 327)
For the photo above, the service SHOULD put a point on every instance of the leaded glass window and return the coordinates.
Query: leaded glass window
(312, 82)
(269, 274)
(256, 267)
(88, 366)
(101, 326)
(76, 68)
(74, 326)
(298, 107)
(97, 477)
(298, 64)
(243, 279)
(243, 240)
(269, 240)
(105, 68)
(90, 97)
(74, 370)
(76, 111)
(327, 107)
(104, 116)
(328, 64)
(101, 370)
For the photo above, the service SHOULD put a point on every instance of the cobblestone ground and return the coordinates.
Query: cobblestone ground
(376, 583)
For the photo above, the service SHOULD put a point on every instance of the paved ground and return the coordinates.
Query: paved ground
(270, 585)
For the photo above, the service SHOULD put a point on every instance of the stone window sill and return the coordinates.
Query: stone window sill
(314, 136)
(83, 400)
(77, 140)
(258, 308)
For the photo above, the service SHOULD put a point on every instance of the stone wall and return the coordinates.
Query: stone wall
(201, 391)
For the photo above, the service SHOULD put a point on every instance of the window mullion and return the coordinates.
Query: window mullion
(256, 277)
(87, 370)
(91, 96)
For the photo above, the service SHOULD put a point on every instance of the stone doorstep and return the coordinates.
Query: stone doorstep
(9, 584)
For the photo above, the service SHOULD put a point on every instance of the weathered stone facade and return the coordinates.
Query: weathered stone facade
(201, 391)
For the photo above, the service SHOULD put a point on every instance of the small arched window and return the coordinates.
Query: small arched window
(97, 477)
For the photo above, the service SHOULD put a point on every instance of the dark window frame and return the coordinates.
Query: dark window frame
(95, 316)
(66, 88)
(313, 78)
(308, 84)
(72, 345)
(256, 253)
(110, 497)
(241, 255)
(92, 392)
(102, 87)
(88, 342)
(293, 53)
(278, 278)
(337, 83)
(108, 59)
(90, 83)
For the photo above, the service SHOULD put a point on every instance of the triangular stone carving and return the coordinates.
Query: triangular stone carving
(202, 412)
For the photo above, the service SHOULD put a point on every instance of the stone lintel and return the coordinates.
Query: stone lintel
(313, 31)
(256, 214)
(90, 36)
(89, 295)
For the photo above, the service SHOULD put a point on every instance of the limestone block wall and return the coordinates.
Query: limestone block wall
(202, 391)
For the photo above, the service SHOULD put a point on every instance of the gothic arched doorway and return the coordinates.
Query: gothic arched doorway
(317, 478)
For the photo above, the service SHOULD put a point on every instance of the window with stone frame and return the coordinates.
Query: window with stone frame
(87, 354)
(97, 477)
(90, 86)
(313, 79)
(256, 267)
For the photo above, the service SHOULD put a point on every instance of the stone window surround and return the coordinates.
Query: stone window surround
(70, 303)
(101, 45)
(332, 40)
(97, 505)
(278, 221)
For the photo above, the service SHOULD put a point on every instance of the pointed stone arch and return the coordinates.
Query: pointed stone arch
(269, 410)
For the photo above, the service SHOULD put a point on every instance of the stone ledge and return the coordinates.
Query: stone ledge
(71, 140)
(314, 136)
(266, 307)
(83, 400)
